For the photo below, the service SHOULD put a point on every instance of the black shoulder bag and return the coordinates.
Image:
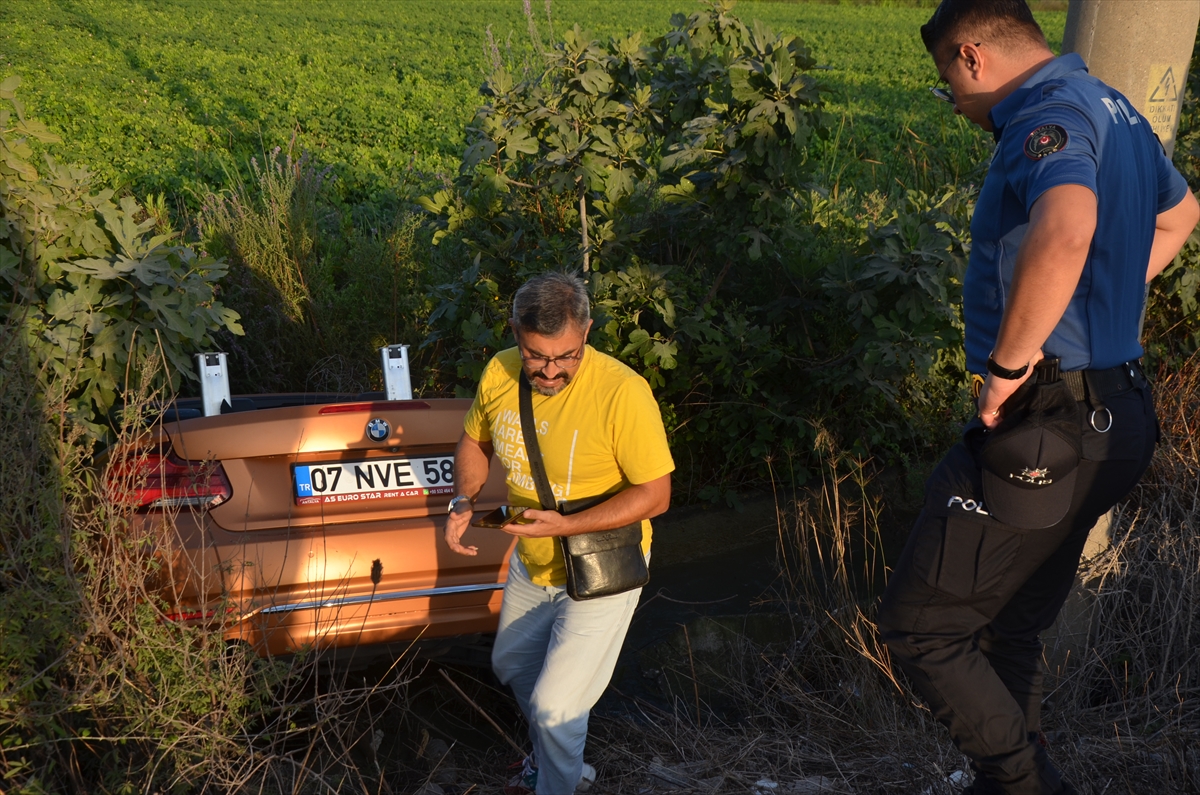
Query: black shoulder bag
(601, 563)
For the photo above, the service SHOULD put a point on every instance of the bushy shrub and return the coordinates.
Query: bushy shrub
(1172, 326)
(901, 332)
(674, 174)
(616, 159)
(92, 285)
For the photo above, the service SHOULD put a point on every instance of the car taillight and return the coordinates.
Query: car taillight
(157, 479)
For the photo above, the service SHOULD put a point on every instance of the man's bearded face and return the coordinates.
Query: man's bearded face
(551, 362)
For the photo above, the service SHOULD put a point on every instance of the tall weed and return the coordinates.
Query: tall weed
(40, 617)
(275, 232)
(270, 228)
(321, 290)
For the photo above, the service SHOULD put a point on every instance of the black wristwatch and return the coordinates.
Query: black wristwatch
(1004, 372)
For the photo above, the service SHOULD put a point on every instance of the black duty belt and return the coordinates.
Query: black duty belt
(1092, 385)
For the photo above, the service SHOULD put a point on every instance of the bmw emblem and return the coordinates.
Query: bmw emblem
(378, 430)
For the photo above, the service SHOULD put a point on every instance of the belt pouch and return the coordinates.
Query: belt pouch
(600, 563)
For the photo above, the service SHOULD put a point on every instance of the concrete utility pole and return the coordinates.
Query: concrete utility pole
(1142, 48)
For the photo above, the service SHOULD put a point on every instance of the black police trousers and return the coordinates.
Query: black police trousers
(969, 595)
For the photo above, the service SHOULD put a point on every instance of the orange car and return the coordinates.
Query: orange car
(313, 521)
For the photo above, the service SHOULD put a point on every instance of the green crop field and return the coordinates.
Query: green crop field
(169, 96)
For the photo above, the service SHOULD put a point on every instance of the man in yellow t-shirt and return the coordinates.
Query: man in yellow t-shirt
(600, 432)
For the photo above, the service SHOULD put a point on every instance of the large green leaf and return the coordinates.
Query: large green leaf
(96, 268)
(519, 141)
(595, 81)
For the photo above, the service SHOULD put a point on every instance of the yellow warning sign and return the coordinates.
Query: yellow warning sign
(1162, 98)
(1165, 90)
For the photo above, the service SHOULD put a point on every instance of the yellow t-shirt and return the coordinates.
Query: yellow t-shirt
(602, 433)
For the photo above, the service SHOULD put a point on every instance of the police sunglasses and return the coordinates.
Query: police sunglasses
(944, 94)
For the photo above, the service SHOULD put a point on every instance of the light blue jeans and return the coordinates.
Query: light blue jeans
(557, 655)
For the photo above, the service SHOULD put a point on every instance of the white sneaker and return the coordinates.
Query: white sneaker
(587, 779)
(524, 782)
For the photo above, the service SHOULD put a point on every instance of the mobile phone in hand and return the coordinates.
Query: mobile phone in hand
(502, 516)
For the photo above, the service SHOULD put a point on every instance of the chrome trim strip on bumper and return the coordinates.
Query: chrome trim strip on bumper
(382, 597)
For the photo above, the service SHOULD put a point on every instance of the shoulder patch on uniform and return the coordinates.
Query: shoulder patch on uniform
(1045, 140)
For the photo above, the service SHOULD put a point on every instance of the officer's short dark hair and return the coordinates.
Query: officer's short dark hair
(1005, 23)
(546, 304)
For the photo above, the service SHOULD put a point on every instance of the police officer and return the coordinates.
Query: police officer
(1079, 210)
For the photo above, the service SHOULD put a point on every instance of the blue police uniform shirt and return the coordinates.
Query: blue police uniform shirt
(1065, 127)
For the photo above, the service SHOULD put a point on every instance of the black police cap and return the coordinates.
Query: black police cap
(1031, 460)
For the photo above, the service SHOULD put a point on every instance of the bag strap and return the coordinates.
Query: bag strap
(532, 451)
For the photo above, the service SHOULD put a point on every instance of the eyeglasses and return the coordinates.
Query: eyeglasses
(944, 94)
(562, 362)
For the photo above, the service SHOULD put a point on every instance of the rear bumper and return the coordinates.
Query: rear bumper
(346, 621)
(285, 591)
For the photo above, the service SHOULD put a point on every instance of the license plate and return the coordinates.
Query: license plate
(377, 479)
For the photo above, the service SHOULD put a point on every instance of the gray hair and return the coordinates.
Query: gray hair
(546, 304)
